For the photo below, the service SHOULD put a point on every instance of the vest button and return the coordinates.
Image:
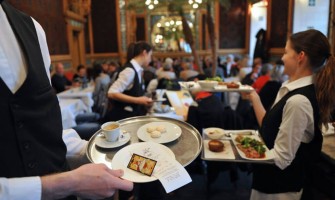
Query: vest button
(32, 165)
(26, 146)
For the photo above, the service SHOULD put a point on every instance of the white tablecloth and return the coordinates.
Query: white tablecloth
(78, 93)
(70, 108)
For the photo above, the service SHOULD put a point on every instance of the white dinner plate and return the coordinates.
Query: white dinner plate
(102, 142)
(268, 156)
(147, 149)
(172, 133)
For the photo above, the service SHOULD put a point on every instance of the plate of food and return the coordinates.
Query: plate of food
(251, 147)
(233, 87)
(159, 132)
(150, 152)
(218, 149)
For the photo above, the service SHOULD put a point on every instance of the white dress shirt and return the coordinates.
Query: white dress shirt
(13, 71)
(297, 126)
(125, 81)
(297, 119)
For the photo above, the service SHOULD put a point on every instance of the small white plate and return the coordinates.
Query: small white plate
(102, 142)
(172, 133)
(220, 133)
(227, 152)
(147, 149)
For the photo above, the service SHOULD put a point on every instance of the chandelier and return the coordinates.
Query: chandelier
(195, 3)
(151, 4)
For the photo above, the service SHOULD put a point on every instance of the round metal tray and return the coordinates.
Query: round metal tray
(186, 148)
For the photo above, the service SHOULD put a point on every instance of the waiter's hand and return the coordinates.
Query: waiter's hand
(145, 101)
(251, 96)
(93, 181)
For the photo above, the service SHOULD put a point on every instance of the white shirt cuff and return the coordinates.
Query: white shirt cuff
(28, 188)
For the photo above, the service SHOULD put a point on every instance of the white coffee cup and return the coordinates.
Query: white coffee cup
(111, 131)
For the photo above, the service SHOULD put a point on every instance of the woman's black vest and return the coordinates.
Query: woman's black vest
(270, 178)
(121, 110)
(31, 127)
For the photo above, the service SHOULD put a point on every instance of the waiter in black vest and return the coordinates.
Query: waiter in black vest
(127, 92)
(33, 161)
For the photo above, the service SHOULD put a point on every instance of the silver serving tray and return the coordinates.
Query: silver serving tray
(186, 148)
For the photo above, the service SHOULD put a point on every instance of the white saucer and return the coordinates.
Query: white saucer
(102, 142)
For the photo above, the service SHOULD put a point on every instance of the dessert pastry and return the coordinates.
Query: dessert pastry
(161, 128)
(155, 134)
(215, 145)
(142, 164)
(150, 129)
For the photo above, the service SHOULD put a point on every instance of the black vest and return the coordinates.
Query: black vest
(31, 128)
(118, 111)
(271, 179)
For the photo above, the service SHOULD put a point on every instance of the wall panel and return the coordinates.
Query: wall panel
(232, 25)
(104, 26)
(279, 23)
(49, 13)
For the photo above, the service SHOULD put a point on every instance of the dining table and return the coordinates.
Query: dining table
(70, 108)
(84, 94)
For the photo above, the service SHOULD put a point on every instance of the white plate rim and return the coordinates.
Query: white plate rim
(120, 154)
(143, 135)
(267, 156)
(101, 142)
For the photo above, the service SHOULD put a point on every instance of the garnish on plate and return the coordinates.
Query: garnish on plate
(251, 147)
